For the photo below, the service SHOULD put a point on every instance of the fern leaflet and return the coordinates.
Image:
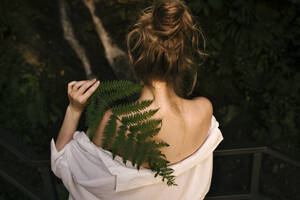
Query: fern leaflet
(133, 139)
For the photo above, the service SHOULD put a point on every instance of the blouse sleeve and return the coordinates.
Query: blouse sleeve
(80, 168)
(60, 166)
(58, 160)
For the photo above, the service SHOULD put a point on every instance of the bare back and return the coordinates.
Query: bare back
(184, 128)
(185, 125)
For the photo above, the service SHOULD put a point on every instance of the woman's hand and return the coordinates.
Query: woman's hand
(79, 92)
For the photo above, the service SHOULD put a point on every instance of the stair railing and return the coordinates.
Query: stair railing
(18, 149)
(255, 173)
(26, 155)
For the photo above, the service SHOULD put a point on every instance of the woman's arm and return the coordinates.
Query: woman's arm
(78, 93)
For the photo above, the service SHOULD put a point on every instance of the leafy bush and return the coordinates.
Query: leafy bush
(27, 106)
(252, 73)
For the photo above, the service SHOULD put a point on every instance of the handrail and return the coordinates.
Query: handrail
(264, 149)
(256, 167)
(20, 184)
(18, 149)
(25, 154)
(239, 151)
(282, 157)
(10, 144)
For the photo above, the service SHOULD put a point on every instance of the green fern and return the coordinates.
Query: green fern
(133, 140)
(109, 131)
(138, 117)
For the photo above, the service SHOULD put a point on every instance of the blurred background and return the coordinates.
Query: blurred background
(251, 76)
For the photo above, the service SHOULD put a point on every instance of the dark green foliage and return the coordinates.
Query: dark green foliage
(109, 131)
(134, 138)
(252, 72)
(119, 142)
(131, 107)
(108, 93)
(138, 117)
(251, 76)
(29, 105)
(146, 125)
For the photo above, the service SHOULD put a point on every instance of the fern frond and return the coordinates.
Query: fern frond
(146, 125)
(95, 118)
(111, 97)
(129, 146)
(137, 153)
(117, 90)
(162, 144)
(138, 117)
(148, 134)
(165, 173)
(155, 153)
(141, 156)
(134, 138)
(108, 86)
(90, 110)
(119, 141)
(131, 107)
(109, 132)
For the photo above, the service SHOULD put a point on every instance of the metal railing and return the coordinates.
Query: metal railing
(26, 155)
(48, 192)
(256, 169)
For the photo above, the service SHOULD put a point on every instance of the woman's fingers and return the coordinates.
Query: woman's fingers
(85, 86)
(78, 85)
(74, 86)
(70, 86)
(91, 90)
(80, 91)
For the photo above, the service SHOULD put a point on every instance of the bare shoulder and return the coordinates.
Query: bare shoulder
(204, 105)
(203, 111)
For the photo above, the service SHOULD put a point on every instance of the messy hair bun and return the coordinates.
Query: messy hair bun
(164, 44)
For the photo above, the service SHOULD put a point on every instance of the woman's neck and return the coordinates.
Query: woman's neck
(162, 94)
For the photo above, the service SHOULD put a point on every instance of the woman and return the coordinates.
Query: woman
(162, 47)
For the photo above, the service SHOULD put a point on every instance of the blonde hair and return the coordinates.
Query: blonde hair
(164, 43)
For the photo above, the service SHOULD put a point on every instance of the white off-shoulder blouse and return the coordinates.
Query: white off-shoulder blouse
(89, 172)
